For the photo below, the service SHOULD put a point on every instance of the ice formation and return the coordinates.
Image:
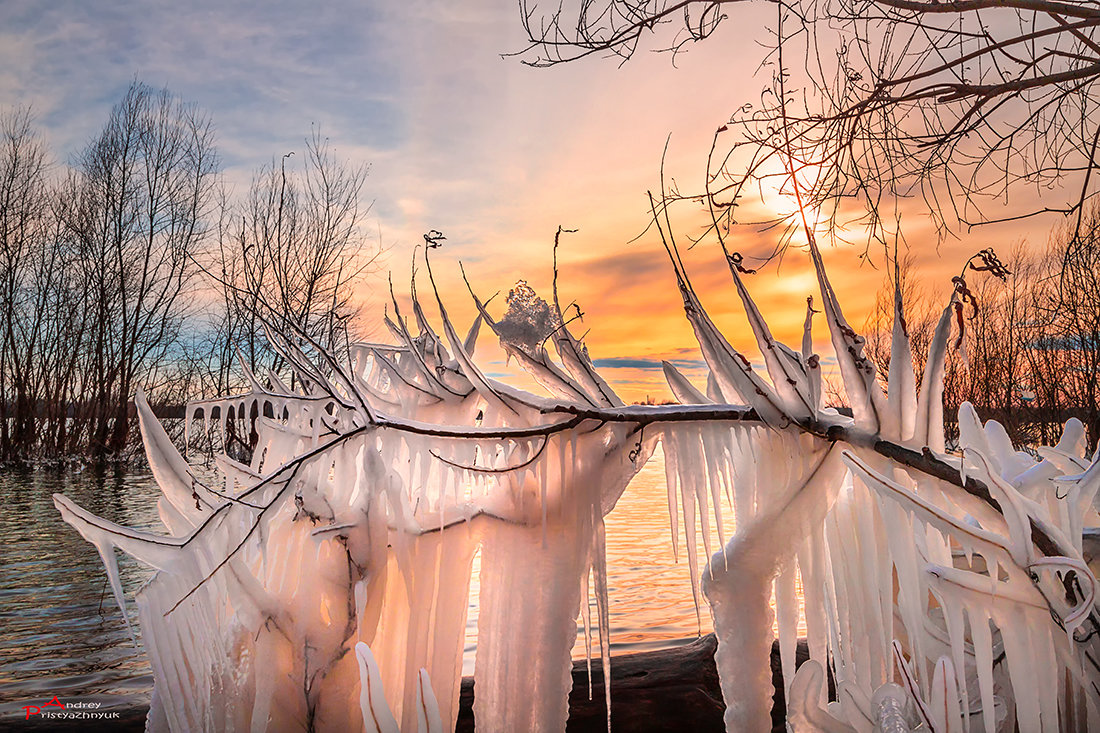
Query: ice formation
(325, 585)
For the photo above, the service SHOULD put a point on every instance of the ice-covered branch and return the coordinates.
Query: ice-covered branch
(325, 583)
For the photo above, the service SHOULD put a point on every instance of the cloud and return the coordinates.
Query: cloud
(493, 153)
(264, 71)
(626, 362)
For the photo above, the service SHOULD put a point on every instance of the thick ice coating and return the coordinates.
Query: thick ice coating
(324, 585)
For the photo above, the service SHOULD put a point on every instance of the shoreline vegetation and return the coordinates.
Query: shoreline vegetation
(134, 266)
(102, 294)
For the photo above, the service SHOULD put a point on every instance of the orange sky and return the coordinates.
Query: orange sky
(632, 309)
(579, 145)
(462, 139)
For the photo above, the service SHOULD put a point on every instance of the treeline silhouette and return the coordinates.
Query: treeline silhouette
(1029, 356)
(131, 266)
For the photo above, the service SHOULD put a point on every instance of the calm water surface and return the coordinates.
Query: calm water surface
(60, 630)
(62, 634)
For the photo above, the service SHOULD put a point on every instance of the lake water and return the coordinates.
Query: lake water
(60, 630)
(62, 634)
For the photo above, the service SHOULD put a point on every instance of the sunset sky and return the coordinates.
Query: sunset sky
(493, 153)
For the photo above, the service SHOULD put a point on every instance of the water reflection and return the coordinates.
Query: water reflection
(62, 632)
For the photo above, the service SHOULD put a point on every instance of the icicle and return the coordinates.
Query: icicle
(586, 618)
(465, 361)
(1022, 671)
(929, 421)
(599, 571)
(427, 710)
(786, 607)
(714, 392)
(982, 640)
(162, 553)
(574, 357)
(688, 496)
(733, 372)
(953, 616)
(786, 372)
(672, 479)
(714, 460)
(429, 380)
(170, 470)
(811, 559)
(471, 336)
(856, 370)
(743, 488)
(901, 382)
(377, 717)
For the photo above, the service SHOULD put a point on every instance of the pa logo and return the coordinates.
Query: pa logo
(37, 710)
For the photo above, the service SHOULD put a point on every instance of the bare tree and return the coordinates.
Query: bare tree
(960, 102)
(99, 266)
(1066, 355)
(24, 224)
(291, 255)
(138, 202)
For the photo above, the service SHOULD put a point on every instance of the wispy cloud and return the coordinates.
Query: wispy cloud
(626, 362)
(495, 154)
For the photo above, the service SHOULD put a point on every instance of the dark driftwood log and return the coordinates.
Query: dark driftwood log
(671, 689)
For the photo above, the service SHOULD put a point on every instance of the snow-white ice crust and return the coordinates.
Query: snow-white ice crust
(325, 585)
